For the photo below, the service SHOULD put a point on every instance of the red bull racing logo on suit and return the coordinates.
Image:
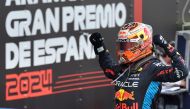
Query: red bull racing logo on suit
(123, 95)
(125, 106)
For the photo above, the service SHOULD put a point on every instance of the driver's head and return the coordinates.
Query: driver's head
(134, 42)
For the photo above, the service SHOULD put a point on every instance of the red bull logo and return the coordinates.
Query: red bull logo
(122, 95)
(125, 106)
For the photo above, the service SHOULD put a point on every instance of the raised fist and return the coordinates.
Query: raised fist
(98, 41)
(160, 41)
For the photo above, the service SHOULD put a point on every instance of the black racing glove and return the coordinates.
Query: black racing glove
(160, 41)
(98, 42)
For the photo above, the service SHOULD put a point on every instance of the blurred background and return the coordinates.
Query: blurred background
(47, 61)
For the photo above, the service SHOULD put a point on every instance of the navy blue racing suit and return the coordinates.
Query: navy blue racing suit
(137, 84)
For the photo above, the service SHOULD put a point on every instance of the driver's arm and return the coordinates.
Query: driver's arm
(177, 71)
(111, 69)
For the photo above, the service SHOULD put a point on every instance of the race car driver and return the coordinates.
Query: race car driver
(137, 67)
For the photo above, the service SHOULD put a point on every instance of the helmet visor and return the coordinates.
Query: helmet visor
(127, 46)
